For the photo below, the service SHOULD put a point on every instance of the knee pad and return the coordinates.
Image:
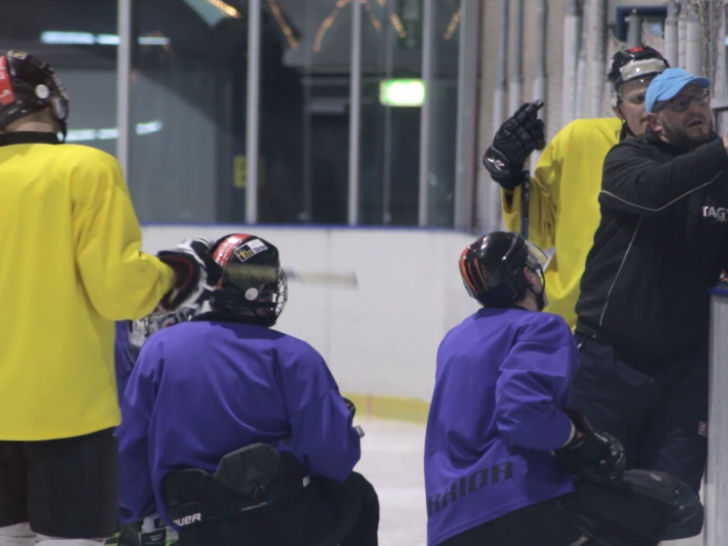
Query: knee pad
(19, 534)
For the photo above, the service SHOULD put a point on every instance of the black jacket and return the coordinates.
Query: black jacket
(660, 246)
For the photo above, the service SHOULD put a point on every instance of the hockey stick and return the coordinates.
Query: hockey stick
(531, 110)
(525, 201)
(343, 280)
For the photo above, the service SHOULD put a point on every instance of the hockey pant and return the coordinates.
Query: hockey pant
(642, 509)
(259, 497)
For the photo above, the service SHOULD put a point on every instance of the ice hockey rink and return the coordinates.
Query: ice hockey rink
(392, 460)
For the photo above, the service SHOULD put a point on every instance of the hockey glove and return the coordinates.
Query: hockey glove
(197, 273)
(513, 143)
(595, 456)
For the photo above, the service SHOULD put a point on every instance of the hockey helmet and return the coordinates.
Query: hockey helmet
(253, 286)
(633, 64)
(28, 85)
(492, 268)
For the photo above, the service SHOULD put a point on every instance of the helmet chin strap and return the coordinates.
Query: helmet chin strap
(64, 129)
(540, 298)
(625, 125)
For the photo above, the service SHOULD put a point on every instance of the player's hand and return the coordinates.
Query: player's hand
(516, 139)
(594, 456)
(725, 142)
(197, 273)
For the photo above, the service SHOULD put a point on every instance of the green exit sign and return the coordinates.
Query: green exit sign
(402, 92)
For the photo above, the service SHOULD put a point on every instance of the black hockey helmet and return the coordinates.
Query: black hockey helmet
(28, 85)
(492, 268)
(253, 286)
(633, 64)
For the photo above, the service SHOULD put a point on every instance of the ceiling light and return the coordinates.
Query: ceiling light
(401, 93)
(86, 38)
(86, 135)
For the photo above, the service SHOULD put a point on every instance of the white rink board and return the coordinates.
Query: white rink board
(381, 337)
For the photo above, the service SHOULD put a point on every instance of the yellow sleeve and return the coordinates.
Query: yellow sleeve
(542, 201)
(121, 281)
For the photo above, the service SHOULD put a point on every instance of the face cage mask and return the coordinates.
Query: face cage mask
(263, 304)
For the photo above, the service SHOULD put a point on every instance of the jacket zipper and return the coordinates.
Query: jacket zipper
(624, 259)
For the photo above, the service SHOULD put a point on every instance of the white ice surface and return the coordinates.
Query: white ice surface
(392, 460)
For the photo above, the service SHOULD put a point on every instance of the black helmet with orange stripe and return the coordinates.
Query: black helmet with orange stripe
(253, 287)
(492, 268)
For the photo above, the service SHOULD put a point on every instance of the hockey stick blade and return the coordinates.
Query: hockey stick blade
(344, 280)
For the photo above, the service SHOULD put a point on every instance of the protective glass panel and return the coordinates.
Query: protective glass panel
(188, 88)
(304, 112)
(443, 116)
(78, 39)
(392, 95)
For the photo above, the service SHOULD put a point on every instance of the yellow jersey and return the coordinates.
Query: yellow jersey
(70, 265)
(564, 208)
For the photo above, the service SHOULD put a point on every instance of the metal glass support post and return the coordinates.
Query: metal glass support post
(389, 39)
(123, 87)
(634, 32)
(572, 23)
(540, 81)
(252, 125)
(715, 492)
(493, 198)
(466, 118)
(428, 80)
(355, 112)
(515, 79)
(671, 40)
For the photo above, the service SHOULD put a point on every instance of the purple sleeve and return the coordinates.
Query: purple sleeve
(136, 494)
(321, 424)
(122, 363)
(533, 383)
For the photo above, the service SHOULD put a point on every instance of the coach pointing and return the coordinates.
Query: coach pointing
(644, 307)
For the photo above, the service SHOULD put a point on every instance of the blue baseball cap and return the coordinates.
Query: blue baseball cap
(670, 83)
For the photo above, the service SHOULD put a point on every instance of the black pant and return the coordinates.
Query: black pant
(657, 407)
(65, 488)
(593, 515)
(329, 514)
(542, 524)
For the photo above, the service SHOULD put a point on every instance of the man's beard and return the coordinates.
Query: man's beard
(680, 137)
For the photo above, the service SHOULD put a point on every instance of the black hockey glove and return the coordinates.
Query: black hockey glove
(197, 273)
(513, 143)
(595, 456)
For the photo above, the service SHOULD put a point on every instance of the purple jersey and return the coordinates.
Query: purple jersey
(502, 374)
(203, 389)
(122, 362)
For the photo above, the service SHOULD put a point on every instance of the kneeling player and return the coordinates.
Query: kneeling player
(236, 433)
(502, 452)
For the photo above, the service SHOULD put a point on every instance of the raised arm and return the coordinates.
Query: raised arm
(635, 182)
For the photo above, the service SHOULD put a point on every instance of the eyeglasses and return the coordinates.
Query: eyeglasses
(681, 104)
